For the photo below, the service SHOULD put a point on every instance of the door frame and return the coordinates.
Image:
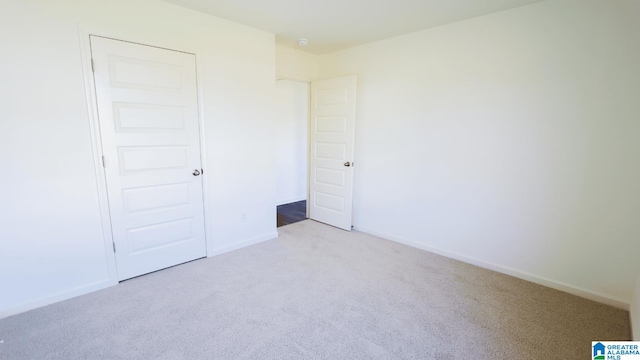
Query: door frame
(308, 169)
(84, 34)
(308, 82)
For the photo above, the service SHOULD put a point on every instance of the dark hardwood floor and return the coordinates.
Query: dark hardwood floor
(292, 212)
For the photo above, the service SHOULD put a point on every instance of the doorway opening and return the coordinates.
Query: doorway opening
(292, 112)
(315, 137)
(292, 213)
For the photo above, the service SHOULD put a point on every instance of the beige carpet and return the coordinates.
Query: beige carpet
(317, 293)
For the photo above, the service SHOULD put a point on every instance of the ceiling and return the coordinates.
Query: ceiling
(332, 25)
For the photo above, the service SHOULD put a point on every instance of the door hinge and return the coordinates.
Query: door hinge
(114, 246)
(93, 67)
(104, 165)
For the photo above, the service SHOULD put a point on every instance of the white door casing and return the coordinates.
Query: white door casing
(332, 132)
(148, 113)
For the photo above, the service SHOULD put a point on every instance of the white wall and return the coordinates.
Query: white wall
(50, 226)
(295, 64)
(292, 107)
(510, 140)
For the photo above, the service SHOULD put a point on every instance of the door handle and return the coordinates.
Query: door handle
(347, 164)
(196, 172)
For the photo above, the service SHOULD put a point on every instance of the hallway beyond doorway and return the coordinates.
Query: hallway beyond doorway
(292, 212)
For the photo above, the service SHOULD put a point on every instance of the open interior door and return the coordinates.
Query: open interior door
(332, 130)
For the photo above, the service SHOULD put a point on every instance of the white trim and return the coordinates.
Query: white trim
(291, 200)
(242, 244)
(56, 297)
(103, 284)
(309, 149)
(554, 284)
(206, 193)
(96, 145)
(85, 289)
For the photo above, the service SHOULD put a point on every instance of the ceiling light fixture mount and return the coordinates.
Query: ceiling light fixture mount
(303, 42)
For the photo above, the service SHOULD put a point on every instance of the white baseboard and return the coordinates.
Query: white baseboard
(290, 200)
(554, 284)
(57, 297)
(255, 240)
(85, 289)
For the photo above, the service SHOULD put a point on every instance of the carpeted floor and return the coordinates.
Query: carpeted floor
(317, 293)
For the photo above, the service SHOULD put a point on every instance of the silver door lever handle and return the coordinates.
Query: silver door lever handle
(347, 164)
(196, 172)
